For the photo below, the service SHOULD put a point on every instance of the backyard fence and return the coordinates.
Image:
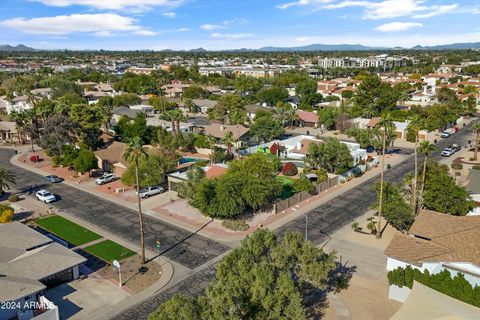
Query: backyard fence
(304, 195)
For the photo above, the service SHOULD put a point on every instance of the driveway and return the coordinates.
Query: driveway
(85, 299)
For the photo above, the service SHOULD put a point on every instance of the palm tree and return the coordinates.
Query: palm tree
(228, 140)
(7, 179)
(291, 116)
(415, 125)
(134, 152)
(384, 122)
(425, 147)
(476, 128)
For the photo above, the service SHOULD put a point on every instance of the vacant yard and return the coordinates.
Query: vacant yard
(67, 230)
(109, 251)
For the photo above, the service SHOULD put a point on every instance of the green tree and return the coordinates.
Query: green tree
(442, 194)
(85, 161)
(179, 307)
(7, 179)
(151, 169)
(134, 152)
(266, 128)
(426, 148)
(194, 92)
(57, 132)
(303, 184)
(265, 278)
(307, 91)
(373, 97)
(194, 177)
(272, 95)
(228, 140)
(331, 155)
(395, 209)
(328, 117)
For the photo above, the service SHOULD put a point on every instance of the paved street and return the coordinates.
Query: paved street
(323, 220)
(179, 245)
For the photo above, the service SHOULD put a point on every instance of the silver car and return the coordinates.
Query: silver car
(150, 191)
(45, 196)
(106, 178)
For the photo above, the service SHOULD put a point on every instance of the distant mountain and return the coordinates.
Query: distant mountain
(20, 47)
(197, 50)
(453, 46)
(322, 47)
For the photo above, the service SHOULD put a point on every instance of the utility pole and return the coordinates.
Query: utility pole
(380, 205)
(306, 226)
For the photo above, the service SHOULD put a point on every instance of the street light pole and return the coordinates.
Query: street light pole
(116, 264)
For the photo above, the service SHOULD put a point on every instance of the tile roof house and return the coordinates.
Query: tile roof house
(29, 263)
(438, 242)
(240, 133)
(308, 119)
(111, 158)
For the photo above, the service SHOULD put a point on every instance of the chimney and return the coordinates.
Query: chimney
(424, 90)
(299, 145)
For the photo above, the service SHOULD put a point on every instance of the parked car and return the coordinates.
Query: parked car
(150, 191)
(106, 178)
(447, 133)
(35, 158)
(53, 179)
(448, 151)
(45, 196)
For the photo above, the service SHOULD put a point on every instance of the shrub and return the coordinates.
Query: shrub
(55, 161)
(303, 184)
(12, 198)
(476, 167)
(457, 166)
(355, 226)
(6, 213)
(236, 225)
(289, 169)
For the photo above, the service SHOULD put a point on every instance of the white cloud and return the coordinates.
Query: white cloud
(102, 24)
(437, 11)
(398, 26)
(387, 9)
(301, 3)
(145, 33)
(172, 15)
(210, 27)
(136, 5)
(183, 29)
(230, 36)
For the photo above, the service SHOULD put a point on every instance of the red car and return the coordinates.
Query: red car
(35, 158)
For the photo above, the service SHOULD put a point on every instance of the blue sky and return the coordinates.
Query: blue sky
(227, 24)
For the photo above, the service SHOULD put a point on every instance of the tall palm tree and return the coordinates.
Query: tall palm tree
(134, 152)
(228, 140)
(425, 147)
(7, 179)
(291, 116)
(384, 123)
(476, 128)
(415, 125)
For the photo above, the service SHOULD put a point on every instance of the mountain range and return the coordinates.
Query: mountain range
(311, 47)
(20, 47)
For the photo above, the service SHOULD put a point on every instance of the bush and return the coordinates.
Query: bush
(303, 184)
(13, 198)
(289, 169)
(55, 161)
(457, 166)
(6, 213)
(85, 161)
(236, 225)
(476, 167)
(456, 287)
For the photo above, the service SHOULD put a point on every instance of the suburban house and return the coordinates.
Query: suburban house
(119, 112)
(212, 171)
(42, 93)
(296, 148)
(437, 242)
(203, 104)
(252, 110)
(18, 103)
(111, 158)
(31, 262)
(240, 133)
(145, 108)
(8, 131)
(308, 119)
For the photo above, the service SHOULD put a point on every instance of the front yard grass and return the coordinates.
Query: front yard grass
(109, 251)
(67, 230)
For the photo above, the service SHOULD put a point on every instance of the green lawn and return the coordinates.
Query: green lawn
(287, 183)
(67, 230)
(109, 251)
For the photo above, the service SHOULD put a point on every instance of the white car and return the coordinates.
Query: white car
(150, 191)
(45, 196)
(106, 178)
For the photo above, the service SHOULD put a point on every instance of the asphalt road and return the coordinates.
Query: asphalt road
(323, 221)
(179, 245)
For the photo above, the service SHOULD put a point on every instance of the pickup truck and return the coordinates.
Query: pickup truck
(448, 151)
(150, 191)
